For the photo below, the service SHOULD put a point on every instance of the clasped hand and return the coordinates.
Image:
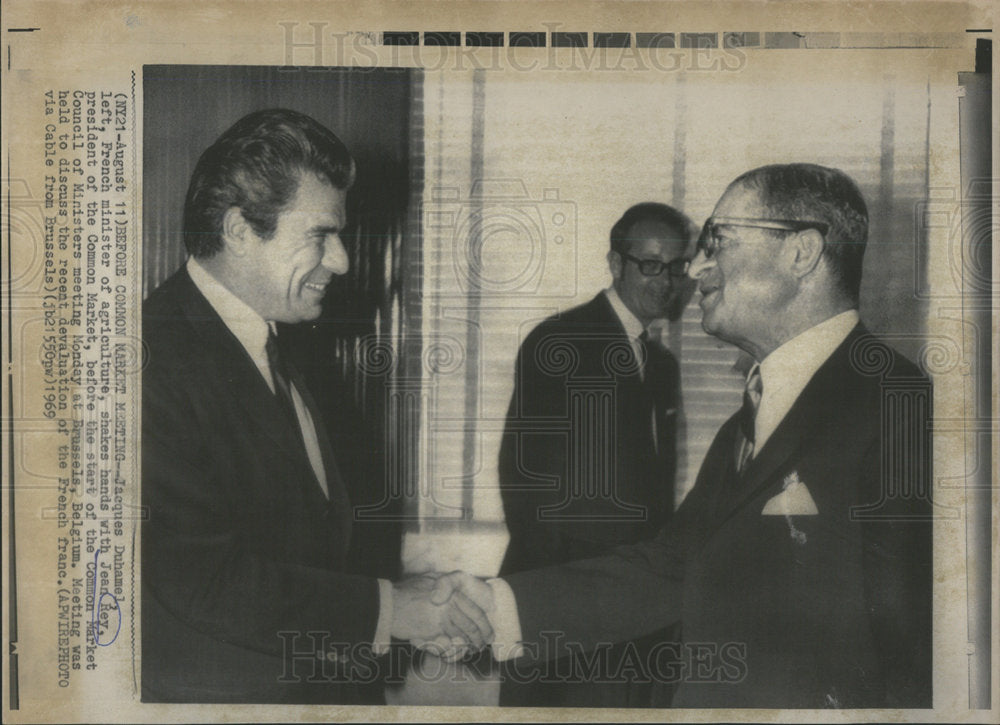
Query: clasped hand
(446, 614)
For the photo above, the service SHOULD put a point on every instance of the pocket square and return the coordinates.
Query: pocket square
(794, 500)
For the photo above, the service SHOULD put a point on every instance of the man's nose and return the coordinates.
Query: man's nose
(334, 255)
(699, 265)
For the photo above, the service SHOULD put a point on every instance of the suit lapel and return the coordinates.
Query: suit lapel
(606, 319)
(643, 396)
(776, 451)
(240, 375)
(797, 425)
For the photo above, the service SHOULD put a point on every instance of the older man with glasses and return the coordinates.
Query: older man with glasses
(800, 564)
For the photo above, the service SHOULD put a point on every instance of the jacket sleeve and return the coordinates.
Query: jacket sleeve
(635, 590)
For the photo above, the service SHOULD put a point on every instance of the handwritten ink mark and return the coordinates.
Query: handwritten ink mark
(98, 603)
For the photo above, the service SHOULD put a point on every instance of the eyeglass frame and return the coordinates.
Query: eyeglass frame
(685, 266)
(777, 225)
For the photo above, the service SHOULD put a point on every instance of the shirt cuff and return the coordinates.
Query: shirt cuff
(383, 630)
(506, 622)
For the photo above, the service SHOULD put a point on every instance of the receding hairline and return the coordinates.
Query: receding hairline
(676, 235)
(674, 221)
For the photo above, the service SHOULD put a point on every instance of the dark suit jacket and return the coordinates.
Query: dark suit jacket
(838, 616)
(578, 470)
(579, 473)
(242, 555)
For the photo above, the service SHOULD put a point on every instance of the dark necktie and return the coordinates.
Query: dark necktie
(748, 416)
(659, 386)
(644, 358)
(282, 380)
(655, 383)
(324, 468)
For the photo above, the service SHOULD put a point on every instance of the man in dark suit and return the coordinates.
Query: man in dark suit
(247, 594)
(588, 456)
(800, 564)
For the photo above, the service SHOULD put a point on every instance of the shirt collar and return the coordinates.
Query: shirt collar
(633, 327)
(787, 370)
(801, 356)
(246, 325)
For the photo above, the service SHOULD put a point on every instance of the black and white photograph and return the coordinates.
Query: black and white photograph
(595, 366)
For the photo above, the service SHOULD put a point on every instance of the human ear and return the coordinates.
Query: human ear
(807, 250)
(615, 264)
(236, 232)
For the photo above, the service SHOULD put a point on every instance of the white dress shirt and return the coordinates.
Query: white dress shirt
(252, 330)
(784, 374)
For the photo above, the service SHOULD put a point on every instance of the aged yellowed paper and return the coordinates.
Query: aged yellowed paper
(494, 146)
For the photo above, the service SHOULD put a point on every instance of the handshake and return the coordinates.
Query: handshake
(445, 614)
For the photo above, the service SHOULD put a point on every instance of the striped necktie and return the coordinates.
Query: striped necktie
(747, 417)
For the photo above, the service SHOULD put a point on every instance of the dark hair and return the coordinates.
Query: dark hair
(257, 165)
(809, 192)
(621, 240)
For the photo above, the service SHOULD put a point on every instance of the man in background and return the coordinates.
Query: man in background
(247, 589)
(588, 457)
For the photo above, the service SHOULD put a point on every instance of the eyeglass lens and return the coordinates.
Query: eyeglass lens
(654, 267)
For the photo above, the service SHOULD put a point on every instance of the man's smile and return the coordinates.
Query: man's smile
(319, 287)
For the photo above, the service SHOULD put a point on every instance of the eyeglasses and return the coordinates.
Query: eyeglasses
(654, 267)
(711, 239)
